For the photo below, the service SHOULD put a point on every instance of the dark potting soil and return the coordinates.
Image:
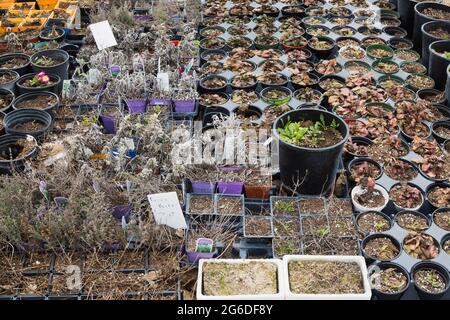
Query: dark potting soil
(412, 222)
(5, 100)
(390, 280)
(444, 132)
(326, 137)
(39, 102)
(258, 226)
(429, 280)
(229, 205)
(371, 198)
(312, 206)
(420, 246)
(315, 226)
(340, 208)
(14, 63)
(442, 219)
(406, 196)
(284, 246)
(201, 205)
(434, 98)
(440, 33)
(342, 227)
(386, 149)
(286, 207)
(356, 149)
(17, 151)
(440, 197)
(30, 126)
(372, 222)
(436, 13)
(286, 227)
(7, 77)
(365, 169)
(381, 248)
(416, 130)
(45, 61)
(400, 170)
(324, 277)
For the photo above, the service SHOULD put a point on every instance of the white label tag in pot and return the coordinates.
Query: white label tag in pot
(166, 210)
(103, 35)
(163, 81)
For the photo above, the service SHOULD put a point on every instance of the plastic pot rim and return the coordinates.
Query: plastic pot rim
(67, 57)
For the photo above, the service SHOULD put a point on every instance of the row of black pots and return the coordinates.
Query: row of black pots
(9, 147)
(17, 86)
(26, 97)
(438, 63)
(428, 38)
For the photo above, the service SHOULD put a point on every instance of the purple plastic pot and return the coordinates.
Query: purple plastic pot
(137, 106)
(160, 102)
(112, 247)
(184, 105)
(230, 187)
(109, 123)
(230, 168)
(121, 211)
(203, 187)
(143, 18)
(115, 70)
(193, 257)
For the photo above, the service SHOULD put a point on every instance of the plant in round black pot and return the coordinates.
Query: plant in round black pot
(431, 279)
(39, 82)
(310, 144)
(6, 100)
(28, 121)
(45, 100)
(15, 150)
(54, 61)
(425, 12)
(439, 62)
(433, 31)
(389, 280)
(8, 79)
(18, 62)
(52, 34)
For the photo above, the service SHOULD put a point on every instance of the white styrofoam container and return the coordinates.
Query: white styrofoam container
(358, 259)
(277, 296)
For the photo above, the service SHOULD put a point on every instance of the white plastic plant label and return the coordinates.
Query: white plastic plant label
(103, 35)
(166, 210)
(163, 81)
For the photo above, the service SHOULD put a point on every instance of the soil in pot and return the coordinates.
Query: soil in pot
(386, 67)
(17, 151)
(210, 68)
(40, 102)
(437, 14)
(420, 246)
(400, 170)
(201, 205)
(257, 226)
(312, 206)
(356, 148)
(440, 33)
(272, 78)
(372, 222)
(304, 79)
(286, 207)
(339, 208)
(406, 196)
(210, 99)
(242, 97)
(46, 61)
(443, 132)
(14, 63)
(345, 42)
(364, 169)
(229, 205)
(214, 83)
(398, 93)
(442, 219)
(308, 95)
(381, 248)
(407, 55)
(315, 226)
(213, 56)
(357, 128)
(342, 227)
(435, 167)
(325, 277)
(446, 246)
(30, 126)
(311, 135)
(273, 112)
(5, 100)
(243, 80)
(384, 149)
(379, 53)
(439, 196)
(285, 246)
(370, 197)
(7, 77)
(390, 280)
(412, 222)
(420, 81)
(372, 40)
(352, 53)
(248, 278)
(289, 227)
(326, 67)
(413, 67)
(429, 280)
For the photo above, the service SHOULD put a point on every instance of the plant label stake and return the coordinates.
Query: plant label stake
(204, 245)
(166, 210)
(103, 35)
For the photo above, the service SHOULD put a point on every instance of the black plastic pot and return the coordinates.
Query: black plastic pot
(44, 34)
(364, 159)
(246, 88)
(204, 53)
(430, 265)
(424, 92)
(17, 117)
(348, 156)
(55, 87)
(213, 90)
(438, 64)
(397, 32)
(210, 112)
(22, 70)
(396, 43)
(61, 69)
(12, 84)
(441, 184)
(7, 92)
(370, 259)
(314, 168)
(8, 146)
(420, 19)
(428, 38)
(383, 266)
(325, 53)
(71, 49)
(437, 124)
(33, 95)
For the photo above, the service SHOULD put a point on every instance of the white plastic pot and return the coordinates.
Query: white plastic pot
(277, 296)
(357, 259)
(358, 190)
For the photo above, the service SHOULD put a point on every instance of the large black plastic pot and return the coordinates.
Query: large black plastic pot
(55, 87)
(8, 147)
(383, 266)
(5, 92)
(11, 84)
(438, 64)
(406, 11)
(61, 69)
(420, 19)
(16, 117)
(434, 266)
(21, 70)
(34, 95)
(307, 170)
(428, 38)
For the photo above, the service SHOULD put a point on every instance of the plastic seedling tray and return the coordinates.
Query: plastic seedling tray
(278, 296)
(356, 259)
